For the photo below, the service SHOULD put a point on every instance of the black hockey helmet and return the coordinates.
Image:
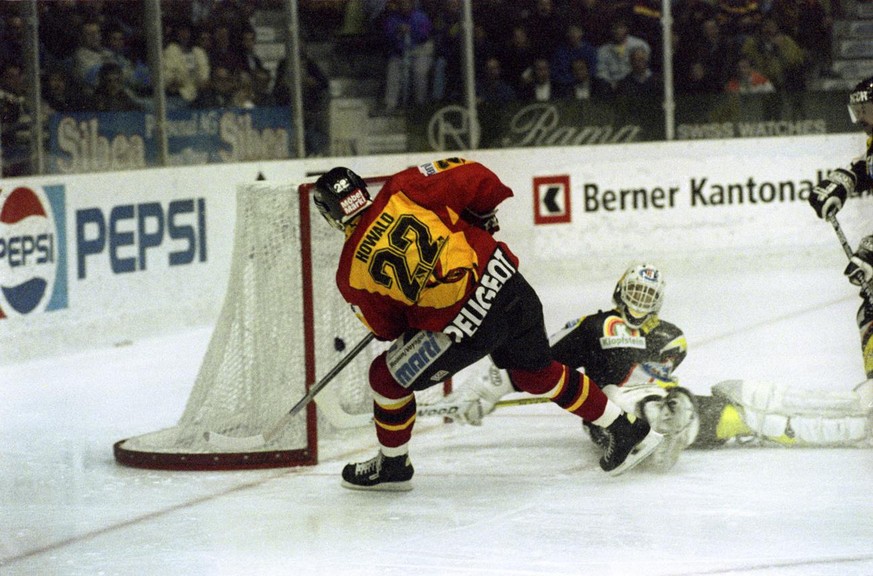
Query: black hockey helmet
(340, 195)
(861, 104)
(639, 294)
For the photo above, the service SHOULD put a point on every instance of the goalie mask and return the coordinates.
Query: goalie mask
(861, 105)
(639, 294)
(340, 195)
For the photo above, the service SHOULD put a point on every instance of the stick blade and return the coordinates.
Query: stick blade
(236, 443)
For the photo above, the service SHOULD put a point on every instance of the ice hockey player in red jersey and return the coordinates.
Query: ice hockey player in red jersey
(829, 196)
(421, 267)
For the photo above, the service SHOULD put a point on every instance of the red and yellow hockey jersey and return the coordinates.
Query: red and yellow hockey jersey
(413, 259)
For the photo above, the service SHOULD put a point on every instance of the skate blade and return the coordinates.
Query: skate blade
(642, 450)
(405, 486)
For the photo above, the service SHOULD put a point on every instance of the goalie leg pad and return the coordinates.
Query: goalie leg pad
(796, 416)
(472, 403)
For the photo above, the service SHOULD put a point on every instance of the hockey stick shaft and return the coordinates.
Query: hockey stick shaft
(841, 235)
(522, 401)
(847, 248)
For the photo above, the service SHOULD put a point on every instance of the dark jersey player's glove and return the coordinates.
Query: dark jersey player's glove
(487, 221)
(830, 194)
(860, 268)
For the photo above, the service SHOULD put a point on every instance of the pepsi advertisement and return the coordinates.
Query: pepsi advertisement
(33, 246)
(102, 259)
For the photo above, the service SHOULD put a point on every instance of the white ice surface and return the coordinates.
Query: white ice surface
(521, 495)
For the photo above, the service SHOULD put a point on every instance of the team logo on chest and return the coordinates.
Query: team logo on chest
(617, 334)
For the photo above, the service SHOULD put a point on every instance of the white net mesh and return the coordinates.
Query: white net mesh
(254, 369)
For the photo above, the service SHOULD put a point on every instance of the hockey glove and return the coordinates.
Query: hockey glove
(661, 371)
(860, 268)
(675, 416)
(830, 194)
(487, 222)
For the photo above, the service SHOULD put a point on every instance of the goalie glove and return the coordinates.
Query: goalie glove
(675, 416)
(459, 407)
(489, 389)
(860, 268)
(472, 403)
(830, 194)
(487, 221)
(669, 409)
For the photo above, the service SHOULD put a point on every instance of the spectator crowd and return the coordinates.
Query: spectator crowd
(541, 50)
(92, 53)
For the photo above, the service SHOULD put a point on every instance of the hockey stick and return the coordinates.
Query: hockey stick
(865, 288)
(522, 401)
(251, 442)
(331, 408)
(454, 410)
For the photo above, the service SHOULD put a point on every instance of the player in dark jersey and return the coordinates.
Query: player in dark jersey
(829, 196)
(420, 266)
(629, 351)
(632, 353)
(629, 343)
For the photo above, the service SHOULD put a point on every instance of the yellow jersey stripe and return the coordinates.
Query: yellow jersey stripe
(396, 427)
(583, 394)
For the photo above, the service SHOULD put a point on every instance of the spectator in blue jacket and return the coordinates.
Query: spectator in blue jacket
(409, 39)
(574, 47)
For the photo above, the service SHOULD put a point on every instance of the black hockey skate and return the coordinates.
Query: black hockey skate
(379, 473)
(598, 435)
(630, 442)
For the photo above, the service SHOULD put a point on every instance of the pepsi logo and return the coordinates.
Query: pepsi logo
(31, 251)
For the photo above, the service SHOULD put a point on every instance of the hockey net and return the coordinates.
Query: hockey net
(282, 326)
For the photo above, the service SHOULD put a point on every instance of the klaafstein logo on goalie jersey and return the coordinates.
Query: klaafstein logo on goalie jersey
(617, 334)
(33, 274)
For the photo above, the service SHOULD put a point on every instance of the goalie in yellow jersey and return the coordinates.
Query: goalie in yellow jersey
(632, 354)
